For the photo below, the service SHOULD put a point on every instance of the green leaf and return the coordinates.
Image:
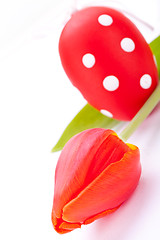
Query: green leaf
(87, 118)
(155, 47)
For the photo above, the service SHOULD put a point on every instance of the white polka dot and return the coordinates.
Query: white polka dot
(105, 20)
(106, 113)
(146, 81)
(88, 60)
(111, 83)
(127, 45)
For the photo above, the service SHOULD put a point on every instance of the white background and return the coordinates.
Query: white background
(37, 101)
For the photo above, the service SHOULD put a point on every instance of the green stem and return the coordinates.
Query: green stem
(142, 114)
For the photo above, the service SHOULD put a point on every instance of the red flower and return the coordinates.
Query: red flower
(95, 174)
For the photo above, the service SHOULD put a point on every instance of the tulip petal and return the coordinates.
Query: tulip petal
(74, 164)
(63, 227)
(100, 215)
(111, 188)
(110, 151)
(69, 226)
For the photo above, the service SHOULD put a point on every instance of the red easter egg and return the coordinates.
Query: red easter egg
(106, 57)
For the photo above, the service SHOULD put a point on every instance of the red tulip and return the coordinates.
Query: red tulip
(95, 174)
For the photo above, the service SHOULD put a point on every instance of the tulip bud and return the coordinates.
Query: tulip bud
(95, 174)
